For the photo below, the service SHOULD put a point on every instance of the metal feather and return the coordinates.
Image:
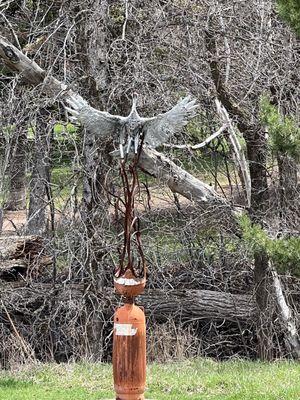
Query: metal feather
(160, 128)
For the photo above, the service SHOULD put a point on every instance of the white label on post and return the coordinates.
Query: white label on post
(125, 330)
(127, 282)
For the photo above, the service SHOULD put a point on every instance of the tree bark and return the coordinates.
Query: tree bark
(288, 184)
(37, 214)
(191, 305)
(256, 154)
(16, 199)
(265, 311)
(1, 219)
(92, 38)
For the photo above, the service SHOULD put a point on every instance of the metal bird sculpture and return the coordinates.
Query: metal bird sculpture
(131, 129)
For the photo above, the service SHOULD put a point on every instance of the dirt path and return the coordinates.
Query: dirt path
(13, 220)
(160, 198)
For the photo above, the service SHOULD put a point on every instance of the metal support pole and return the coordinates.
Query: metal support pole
(129, 342)
(129, 352)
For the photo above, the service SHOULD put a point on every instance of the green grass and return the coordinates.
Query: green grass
(196, 379)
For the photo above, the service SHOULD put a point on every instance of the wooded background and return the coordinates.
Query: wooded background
(223, 276)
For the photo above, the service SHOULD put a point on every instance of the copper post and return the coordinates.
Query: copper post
(129, 345)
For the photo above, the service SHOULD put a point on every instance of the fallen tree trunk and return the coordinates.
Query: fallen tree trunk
(183, 305)
(20, 255)
(67, 322)
(61, 317)
(191, 305)
(18, 62)
(16, 247)
(179, 180)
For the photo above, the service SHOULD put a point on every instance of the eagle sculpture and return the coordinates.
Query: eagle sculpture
(153, 131)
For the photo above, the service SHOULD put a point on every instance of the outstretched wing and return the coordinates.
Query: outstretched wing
(158, 129)
(100, 123)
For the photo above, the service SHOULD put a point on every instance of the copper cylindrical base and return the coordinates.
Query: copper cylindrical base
(129, 353)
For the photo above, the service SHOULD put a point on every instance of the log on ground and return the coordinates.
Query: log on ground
(160, 305)
(20, 255)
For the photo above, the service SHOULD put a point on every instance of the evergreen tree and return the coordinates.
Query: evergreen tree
(290, 11)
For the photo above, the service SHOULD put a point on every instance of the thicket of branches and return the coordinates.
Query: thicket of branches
(57, 180)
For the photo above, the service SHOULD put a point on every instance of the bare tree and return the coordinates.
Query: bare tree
(39, 200)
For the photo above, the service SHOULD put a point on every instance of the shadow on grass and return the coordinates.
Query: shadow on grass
(14, 383)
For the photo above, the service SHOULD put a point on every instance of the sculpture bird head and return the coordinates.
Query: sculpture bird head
(133, 127)
(133, 112)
